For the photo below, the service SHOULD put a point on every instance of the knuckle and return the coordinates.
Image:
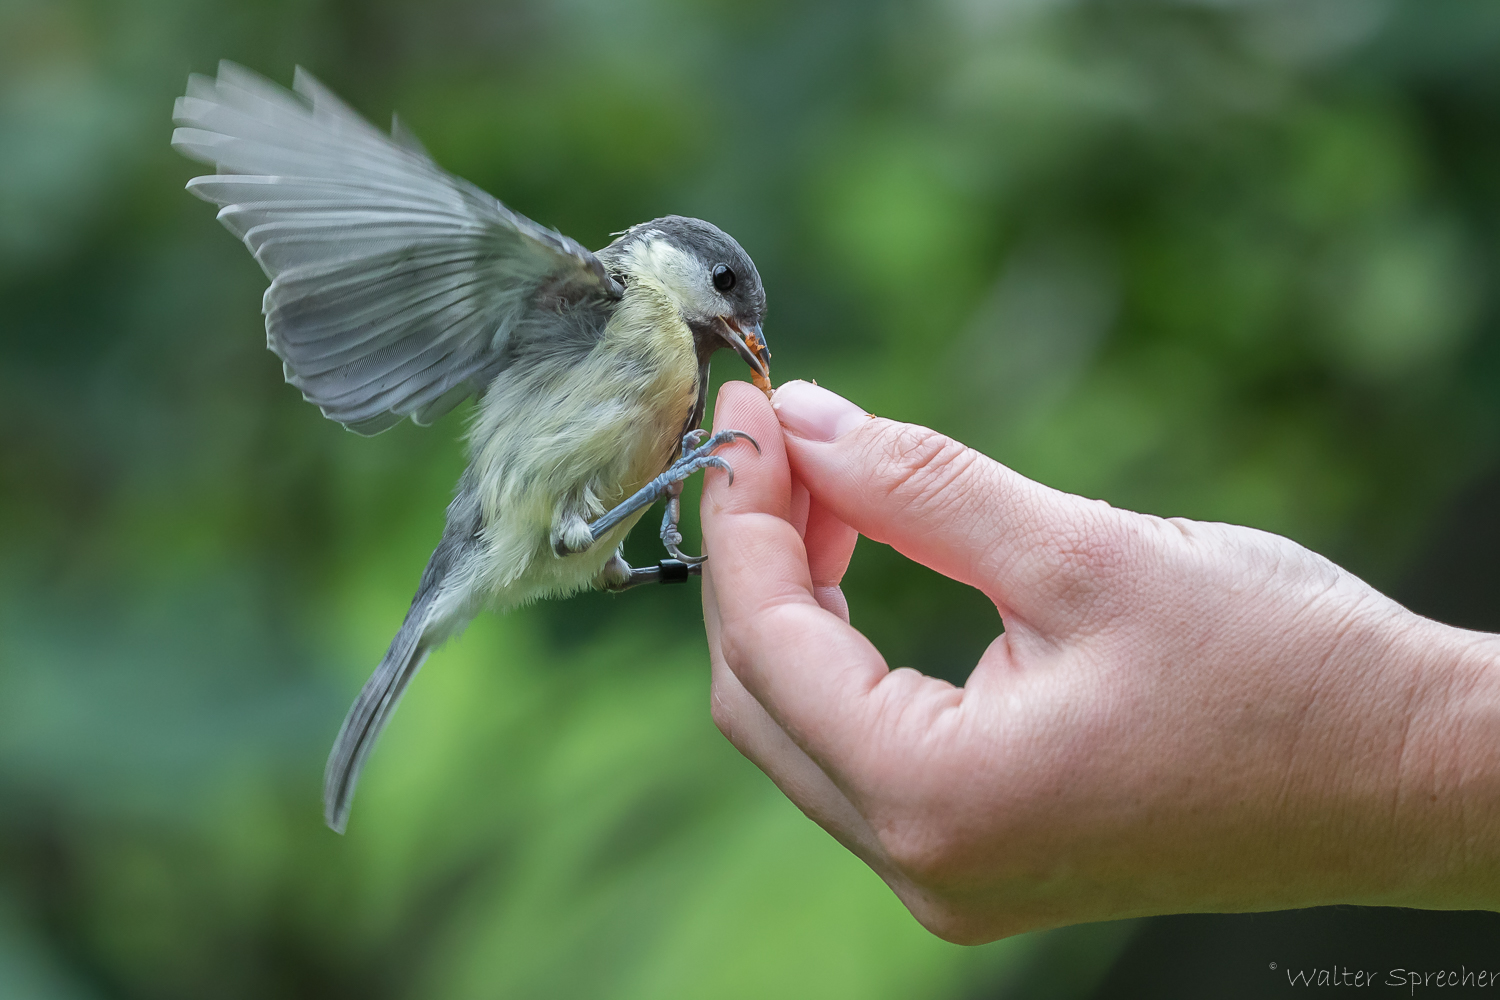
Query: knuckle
(915, 465)
(737, 640)
(921, 851)
(720, 712)
(747, 641)
(929, 876)
(948, 921)
(1084, 557)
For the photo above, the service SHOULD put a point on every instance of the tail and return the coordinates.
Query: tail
(370, 713)
(378, 699)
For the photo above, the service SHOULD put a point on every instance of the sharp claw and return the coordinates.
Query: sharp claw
(683, 557)
(719, 463)
(694, 446)
(728, 437)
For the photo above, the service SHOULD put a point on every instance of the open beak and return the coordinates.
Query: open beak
(748, 344)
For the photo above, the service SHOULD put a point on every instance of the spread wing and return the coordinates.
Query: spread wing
(396, 288)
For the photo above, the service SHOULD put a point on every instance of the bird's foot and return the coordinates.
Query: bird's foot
(697, 454)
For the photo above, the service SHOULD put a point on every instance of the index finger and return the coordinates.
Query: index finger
(817, 677)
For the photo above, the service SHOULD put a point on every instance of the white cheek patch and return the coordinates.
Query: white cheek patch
(680, 275)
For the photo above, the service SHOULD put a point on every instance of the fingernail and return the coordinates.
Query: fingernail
(812, 412)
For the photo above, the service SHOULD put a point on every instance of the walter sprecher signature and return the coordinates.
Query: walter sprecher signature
(1463, 976)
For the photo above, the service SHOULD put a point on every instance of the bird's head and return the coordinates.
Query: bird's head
(706, 275)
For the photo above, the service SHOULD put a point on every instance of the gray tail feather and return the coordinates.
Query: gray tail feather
(370, 713)
(373, 708)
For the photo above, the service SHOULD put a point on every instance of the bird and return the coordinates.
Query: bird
(398, 290)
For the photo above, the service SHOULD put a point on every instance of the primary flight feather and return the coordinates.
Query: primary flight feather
(398, 290)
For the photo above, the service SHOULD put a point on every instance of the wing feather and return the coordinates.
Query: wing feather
(395, 286)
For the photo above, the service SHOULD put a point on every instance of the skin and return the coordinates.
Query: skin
(1179, 716)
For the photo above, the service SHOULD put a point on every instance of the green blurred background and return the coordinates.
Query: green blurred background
(1229, 259)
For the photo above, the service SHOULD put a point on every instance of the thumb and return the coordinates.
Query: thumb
(943, 504)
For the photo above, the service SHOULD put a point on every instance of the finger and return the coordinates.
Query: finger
(944, 505)
(798, 507)
(830, 545)
(747, 725)
(819, 679)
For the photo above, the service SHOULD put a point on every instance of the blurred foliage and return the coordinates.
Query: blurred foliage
(1228, 259)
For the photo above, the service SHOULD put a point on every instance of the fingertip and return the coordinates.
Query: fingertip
(831, 599)
(761, 480)
(739, 403)
(742, 407)
(810, 411)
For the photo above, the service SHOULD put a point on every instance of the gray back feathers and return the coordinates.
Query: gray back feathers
(397, 289)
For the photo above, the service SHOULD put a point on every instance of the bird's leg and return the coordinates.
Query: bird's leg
(697, 454)
(619, 575)
(671, 538)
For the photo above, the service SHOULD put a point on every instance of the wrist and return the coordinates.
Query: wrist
(1449, 787)
(1390, 796)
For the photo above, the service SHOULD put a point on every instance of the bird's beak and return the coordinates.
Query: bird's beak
(749, 344)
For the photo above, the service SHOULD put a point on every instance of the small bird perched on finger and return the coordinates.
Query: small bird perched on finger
(398, 290)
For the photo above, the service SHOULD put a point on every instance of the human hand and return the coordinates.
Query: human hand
(1179, 716)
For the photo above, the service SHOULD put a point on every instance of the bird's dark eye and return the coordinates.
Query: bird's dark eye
(723, 277)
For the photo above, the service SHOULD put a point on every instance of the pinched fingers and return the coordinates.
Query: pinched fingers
(1037, 552)
(820, 680)
(807, 667)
